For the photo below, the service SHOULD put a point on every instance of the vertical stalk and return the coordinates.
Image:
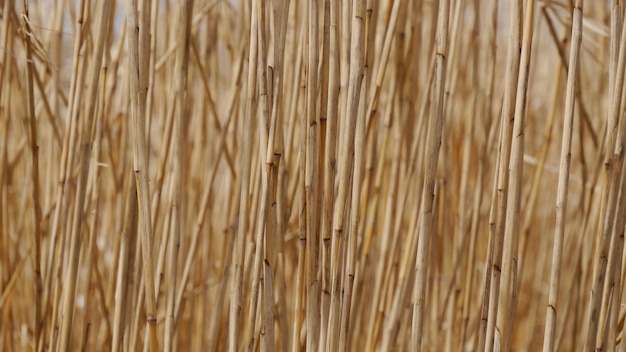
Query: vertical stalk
(85, 150)
(311, 183)
(504, 154)
(430, 174)
(34, 153)
(346, 157)
(511, 233)
(607, 213)
(561, 202)
(182, 64)
(140, 165)
(244, 185)
(124, 269)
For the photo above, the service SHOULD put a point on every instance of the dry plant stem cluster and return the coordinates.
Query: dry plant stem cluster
(328, 175)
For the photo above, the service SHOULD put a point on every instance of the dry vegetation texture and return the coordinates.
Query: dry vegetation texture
(325, 175)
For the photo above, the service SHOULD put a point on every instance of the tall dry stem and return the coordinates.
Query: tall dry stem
(561, 202)
(432, 158)
(140, 165)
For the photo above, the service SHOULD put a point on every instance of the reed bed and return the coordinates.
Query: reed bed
(325, 175)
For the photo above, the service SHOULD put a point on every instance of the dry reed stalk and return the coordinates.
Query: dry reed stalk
(85, 149)
(144, 58)
(326, 186)
(34, 153)
(264, 224)
(616, 21)
(204, 203)
(349, 282)
(612, 292)
(461, 227)
(126, 260)
(405, 281)
(384, 57)
(433, 145)
(561, 205)
(184, 38)
(608, 199)
(296, 335)
(499, 206)
(510, 283)
(66, 160)
(244, 181)
(273, 252)
(346, 158)
(5, 75)
(140, 161)
(614, 272)
(534, 193)
(66, 212)
(268, 314)
(375, 312)
(216, 318)
(311, 179)
(482, 106)
(619, 318)
(374, 165)
(151, 67)
(5, 72)
(451, 272)
(93, 188)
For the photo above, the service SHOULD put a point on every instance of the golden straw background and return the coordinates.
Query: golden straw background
(322, 175)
